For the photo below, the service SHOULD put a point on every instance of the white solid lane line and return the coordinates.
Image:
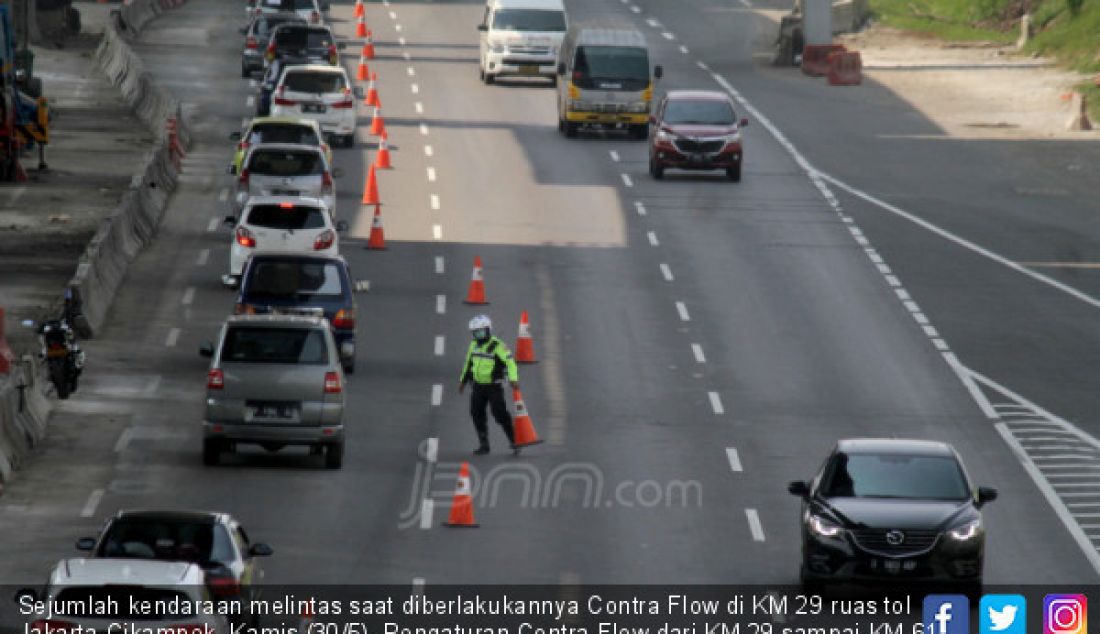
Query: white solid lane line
(437, 394)
(666, 272)
(188, 296)
(439, 345)
(682, 310)
(172, 338)
(439, 265)
(697, 350)
(93, 502)
(734, 459)
(755, 527)
(440, 304)
(716, 403)
(652, 236)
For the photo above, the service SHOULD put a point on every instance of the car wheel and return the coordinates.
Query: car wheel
(245, 73)
(334, 456)
(734, 173)
(571, 129)
(211, 452)
(656, 170)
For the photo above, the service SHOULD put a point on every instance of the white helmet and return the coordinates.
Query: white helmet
(481, 321)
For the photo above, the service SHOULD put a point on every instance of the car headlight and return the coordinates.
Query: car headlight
(732, 138)
(665, 136)
(965, 532)
(824, 527)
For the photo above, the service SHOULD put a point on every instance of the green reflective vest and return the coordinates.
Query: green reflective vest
(487, 363)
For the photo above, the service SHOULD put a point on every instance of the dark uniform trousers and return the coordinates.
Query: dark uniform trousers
(491, 396)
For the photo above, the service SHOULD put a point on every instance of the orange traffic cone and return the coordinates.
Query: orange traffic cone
(524, 431)
(476, 294)
(525, 346)
(363, 73)
(377, 126)
(382, 158)
(370, 192)
(368, 46)
(372, 92)
(361, 27)
(377, 235)
(359, 9)
(462, 508)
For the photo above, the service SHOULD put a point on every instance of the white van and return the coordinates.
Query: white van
(521, 38)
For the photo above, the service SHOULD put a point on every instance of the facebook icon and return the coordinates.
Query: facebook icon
(946, 614)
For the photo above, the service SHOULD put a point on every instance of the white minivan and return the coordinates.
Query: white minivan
(521, 38)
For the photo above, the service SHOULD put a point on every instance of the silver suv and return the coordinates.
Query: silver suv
(274, 380)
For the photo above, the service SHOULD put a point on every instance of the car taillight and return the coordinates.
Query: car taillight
(221, 586)
(243, 178)
(245, 238)
(344, 319)
(280, 101)
(50, 626)
(326, 183)
(244, 145)
(348, 101)
(215, 380)
(251, 42)
(332, 383)
(324, 240)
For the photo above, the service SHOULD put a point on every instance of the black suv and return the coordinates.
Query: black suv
(256, 37)
(890, 509)
(303, 284)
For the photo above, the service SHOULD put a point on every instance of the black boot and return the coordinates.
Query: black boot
(481, 450)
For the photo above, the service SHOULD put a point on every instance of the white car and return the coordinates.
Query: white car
(286, 169)
(281, 224)
(105, 581)
(319, 92)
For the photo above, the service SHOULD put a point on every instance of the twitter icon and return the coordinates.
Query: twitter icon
(1002, 614)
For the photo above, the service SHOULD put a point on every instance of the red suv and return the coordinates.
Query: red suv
(696, 130)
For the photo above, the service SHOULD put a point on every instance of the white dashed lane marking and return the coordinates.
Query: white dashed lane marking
(666, 272)
(684, 50)
(682, 310)
(428, 150)
(440, 304)
(203, 257)
(223, 195)
(716, 403)
(438, 349)
(614, 155)
(627, 181)
(414, 88)
(172, 338)
(431, 174)
(434, 201)
(437, 394)
(734, 459)
(424, 129)
(188, 296)
(640, 208)
(755, 527)
(439, 265)
(697, 350)
(93, 502)
(652, 236)
(437, 232)
(212, 226)
(419, 107)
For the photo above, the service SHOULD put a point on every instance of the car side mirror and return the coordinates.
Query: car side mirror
(85, 543)
(800, 488)
(341, 225)
(260, 550)
(986, 495)
(483, 27)
(206, 350)
(744, 121)
(658, 71)
(561, 68)
(25, 594)
(232, 169)
(235, 136)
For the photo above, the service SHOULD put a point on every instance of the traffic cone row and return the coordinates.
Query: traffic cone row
(368, 46)
(476, 293)
(361, 27)
(372, 92)
(377, 125)
(525, 346)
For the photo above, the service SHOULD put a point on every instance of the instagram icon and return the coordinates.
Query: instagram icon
(1065, 614)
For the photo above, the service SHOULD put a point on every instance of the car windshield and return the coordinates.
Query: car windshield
(314, 82)
(264, 26)
(122, 602)
(528, 20)
(699, 112)
(285, 163)
(894, 476)
(166, 539)
(282, 279)
(295, 39)
(282, 218)
(283, 133)
(299, 346)
(612, 62)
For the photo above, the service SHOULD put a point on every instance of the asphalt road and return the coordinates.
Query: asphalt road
(701, 343)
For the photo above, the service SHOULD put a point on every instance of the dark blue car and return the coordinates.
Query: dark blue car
(303, 284)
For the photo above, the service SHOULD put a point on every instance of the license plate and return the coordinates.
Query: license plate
(275, 411)
(284, 192)
(313, 107)
(529, 69)
(698, 158)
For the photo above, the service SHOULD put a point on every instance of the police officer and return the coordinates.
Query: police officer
(488, 363)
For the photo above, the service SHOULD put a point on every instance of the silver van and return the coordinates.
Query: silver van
(521, 38)
(604, 80)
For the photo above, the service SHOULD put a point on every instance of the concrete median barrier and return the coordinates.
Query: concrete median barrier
(24, 410)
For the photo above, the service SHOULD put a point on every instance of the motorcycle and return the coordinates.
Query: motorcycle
(58, 347)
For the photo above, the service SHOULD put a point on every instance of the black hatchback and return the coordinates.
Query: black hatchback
(304, 285)
(891, 509)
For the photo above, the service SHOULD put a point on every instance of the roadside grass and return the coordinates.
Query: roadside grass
(1072, 39)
